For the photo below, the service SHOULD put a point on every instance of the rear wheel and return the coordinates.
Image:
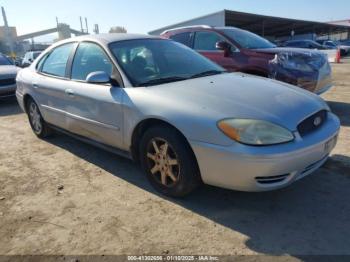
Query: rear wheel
(37, 123)
(169, 162)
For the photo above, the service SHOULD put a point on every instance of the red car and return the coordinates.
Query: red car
(240, 50)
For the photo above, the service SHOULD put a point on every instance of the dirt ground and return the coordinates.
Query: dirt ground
(61, 196)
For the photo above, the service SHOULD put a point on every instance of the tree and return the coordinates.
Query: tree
(117, 29)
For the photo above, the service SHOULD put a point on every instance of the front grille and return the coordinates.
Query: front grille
(266, 180)
(312, 123)
(7, 81)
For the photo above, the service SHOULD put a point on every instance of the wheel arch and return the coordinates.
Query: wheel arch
(26, 98)
(143, 126)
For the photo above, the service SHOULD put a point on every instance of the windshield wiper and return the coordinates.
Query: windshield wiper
(208, 73)
(163, 80)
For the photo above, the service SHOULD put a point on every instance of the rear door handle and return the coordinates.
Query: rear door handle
(35, 85)
(69, 92)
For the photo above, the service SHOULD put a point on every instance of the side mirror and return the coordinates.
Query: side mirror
(98, 77)
(223, 45)
(30, 60)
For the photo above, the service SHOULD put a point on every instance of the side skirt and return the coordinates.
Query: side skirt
(111, 149)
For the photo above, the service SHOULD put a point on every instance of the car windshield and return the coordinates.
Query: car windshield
(248, 40)
(5, 61)
(157, 61)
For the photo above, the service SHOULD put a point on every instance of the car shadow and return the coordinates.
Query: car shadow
(341, 110)
(310, 217)
(9, 106)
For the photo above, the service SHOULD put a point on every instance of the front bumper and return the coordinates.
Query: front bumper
(248, 168)
(7, 91)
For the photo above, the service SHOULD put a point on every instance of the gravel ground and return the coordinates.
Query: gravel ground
(61, 196)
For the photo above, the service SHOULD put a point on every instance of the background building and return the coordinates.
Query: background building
(273, 28)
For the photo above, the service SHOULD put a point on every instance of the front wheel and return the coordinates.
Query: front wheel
(37, 123)
(169, 162)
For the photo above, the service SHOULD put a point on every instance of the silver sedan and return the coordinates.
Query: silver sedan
(182, 117)
(8, 72)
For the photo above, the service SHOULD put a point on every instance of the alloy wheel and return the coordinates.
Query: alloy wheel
(35, 118)
(163, 162)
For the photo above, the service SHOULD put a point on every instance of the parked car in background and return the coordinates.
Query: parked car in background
(184, 118)
(331, 52)
(344, 46)
(8, 72)
(17, 61)
(344, 50)
(240, 50)
(345, 42)
(308, 44)
(29, 57)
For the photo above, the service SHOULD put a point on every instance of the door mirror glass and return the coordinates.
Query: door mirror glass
(98, 77)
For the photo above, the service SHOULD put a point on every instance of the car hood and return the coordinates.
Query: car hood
(278, 50)
(237, 95)
(7, 71)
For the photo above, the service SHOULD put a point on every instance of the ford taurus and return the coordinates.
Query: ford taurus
(182, 117)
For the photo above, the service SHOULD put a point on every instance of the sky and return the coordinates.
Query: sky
(142, 16)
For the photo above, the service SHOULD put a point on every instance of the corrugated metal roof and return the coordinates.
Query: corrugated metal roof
(267, 25)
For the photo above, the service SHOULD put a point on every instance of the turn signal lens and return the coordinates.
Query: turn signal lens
(228, 130)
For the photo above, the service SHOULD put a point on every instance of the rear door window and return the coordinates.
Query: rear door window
(183, 38)
(56, 62)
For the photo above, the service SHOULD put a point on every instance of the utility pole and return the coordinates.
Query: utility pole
(8, 35)
(81, 25)
(96, 29)
(86, 24)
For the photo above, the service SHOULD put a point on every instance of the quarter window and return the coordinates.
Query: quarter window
(90, 58)
(206, 41)
(56, 62)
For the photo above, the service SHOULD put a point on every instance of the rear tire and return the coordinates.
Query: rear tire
(169, 162)
(37, 123)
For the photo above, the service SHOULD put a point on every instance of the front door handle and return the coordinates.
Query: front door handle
(69, 92)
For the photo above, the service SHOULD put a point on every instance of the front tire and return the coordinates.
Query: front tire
(37, 123)
(169, 162)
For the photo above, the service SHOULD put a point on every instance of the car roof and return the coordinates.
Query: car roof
(301, 40)
(109, 38)
(103, 39)
(177, 30)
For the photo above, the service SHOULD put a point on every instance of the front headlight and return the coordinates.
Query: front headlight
(255, 132)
